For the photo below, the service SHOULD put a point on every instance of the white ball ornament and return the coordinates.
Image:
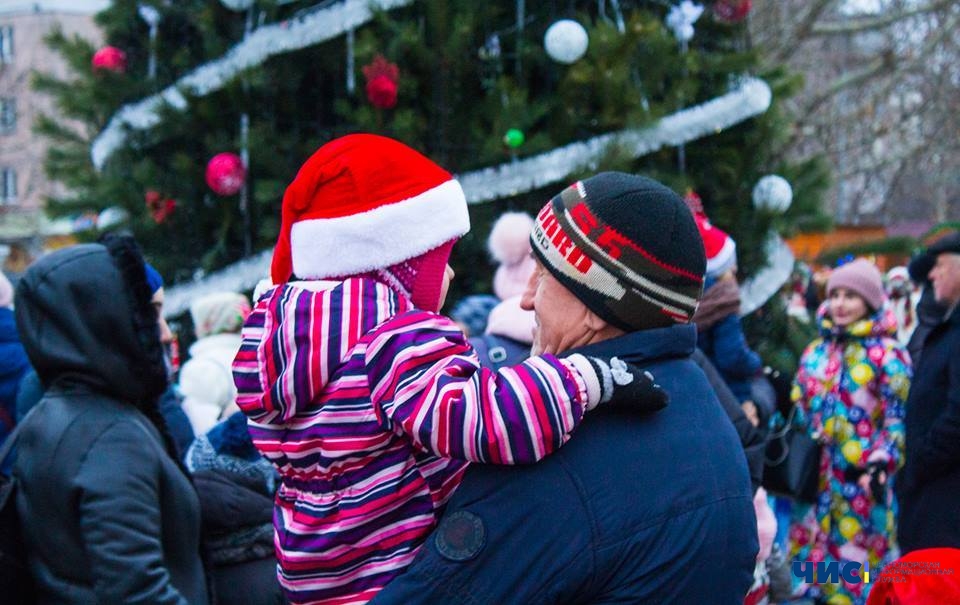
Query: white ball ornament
(566, 41)
(772, 193)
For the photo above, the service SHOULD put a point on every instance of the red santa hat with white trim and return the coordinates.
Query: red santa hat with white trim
(720, 248)
(368, 205)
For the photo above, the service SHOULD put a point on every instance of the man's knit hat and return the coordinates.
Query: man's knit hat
(861, 277)
(627, 247)
(366, 204)
(719, 247)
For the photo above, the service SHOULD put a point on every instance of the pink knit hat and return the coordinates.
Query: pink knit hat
(509, 244)
(861, 277)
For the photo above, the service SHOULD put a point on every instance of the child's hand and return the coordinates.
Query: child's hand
(624, 384)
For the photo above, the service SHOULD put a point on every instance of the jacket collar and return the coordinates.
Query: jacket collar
(646, 346)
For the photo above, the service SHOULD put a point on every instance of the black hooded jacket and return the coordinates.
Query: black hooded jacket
(108, 515)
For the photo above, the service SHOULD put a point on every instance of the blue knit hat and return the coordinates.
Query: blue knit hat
(154, 280)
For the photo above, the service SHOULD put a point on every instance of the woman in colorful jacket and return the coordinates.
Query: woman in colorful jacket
(368, 402)
(850, 391)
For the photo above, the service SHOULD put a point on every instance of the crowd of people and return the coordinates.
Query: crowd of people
(594, 430)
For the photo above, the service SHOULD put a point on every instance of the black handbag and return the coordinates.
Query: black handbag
(792, 463)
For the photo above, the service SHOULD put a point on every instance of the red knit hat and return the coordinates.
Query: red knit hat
(720, 248)
(368, 204)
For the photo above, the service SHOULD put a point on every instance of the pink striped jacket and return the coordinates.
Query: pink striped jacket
(371, 411)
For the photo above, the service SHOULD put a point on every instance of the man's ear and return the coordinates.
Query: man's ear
(594, 321)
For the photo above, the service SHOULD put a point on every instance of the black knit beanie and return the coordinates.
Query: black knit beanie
(627, 247)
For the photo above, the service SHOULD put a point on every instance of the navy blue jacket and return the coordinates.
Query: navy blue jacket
(929, 484)
(634, 509)
(13, 365)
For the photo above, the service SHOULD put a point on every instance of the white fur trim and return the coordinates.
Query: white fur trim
(385, 236)
(723, 260)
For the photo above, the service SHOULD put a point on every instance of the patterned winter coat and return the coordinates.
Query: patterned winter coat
(370, 410)
(850, 389)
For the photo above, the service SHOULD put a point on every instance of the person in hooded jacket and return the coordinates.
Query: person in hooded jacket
(850, 391)
(109, 515)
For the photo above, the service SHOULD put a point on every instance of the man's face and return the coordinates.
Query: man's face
(945, 277)
(561, 317)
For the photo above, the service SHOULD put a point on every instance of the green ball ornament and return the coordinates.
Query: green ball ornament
(514, 138)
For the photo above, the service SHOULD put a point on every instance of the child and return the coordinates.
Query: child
(368, 402)
(719, 333)
(850, 391)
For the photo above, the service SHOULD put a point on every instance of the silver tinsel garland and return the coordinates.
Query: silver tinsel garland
(262, 43)
(751, 97)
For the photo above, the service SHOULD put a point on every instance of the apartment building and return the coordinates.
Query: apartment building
(23, 184)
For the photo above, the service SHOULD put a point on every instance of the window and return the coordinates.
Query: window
(8, 115)
(6, 43)
(8, 185)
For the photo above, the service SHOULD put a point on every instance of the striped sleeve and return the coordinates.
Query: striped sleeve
(426, 381)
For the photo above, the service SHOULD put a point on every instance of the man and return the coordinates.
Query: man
(634, 509)
(930, 480)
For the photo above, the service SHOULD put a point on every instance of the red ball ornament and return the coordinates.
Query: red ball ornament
(226, 173)
(732, 11)
(110, 58)
(383, 80)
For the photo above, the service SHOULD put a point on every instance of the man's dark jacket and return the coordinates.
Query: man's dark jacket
(634, 509)
(929, 483)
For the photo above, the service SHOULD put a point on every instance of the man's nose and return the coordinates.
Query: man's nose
(526, 299)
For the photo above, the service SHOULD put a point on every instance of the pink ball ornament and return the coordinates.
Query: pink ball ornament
(110, 58)
(226, 173)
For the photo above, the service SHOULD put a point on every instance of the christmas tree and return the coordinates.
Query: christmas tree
(470, 84)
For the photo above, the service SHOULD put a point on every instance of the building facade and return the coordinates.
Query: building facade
(23, 185)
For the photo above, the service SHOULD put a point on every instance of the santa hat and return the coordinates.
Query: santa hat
(509, 244)
(365, 203)
(720, 248)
